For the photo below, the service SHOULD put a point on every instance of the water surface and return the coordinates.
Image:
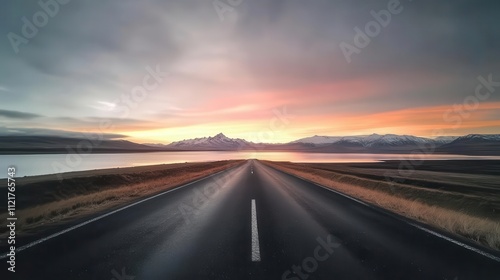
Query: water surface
(40, 164)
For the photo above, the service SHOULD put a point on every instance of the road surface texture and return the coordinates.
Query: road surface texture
(252, 222)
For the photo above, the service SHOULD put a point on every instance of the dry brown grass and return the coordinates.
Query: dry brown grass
(91, 200)
(455, 213)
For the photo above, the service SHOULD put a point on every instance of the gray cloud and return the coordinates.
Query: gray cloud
(298, 43)
(17, 115)
(94, 51)
(13, 131)
(94, 123)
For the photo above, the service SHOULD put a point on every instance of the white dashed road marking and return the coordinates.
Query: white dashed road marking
(255, 235)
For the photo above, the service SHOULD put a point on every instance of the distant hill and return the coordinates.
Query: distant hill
(53, 144)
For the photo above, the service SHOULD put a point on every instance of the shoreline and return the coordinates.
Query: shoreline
(13, 152)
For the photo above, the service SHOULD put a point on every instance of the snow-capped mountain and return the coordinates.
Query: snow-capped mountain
(367, 140)
(477, 144)
(217, 142)
(479, 137)
(374, 143)
(375, 140)
(473, 144)
(445, 139)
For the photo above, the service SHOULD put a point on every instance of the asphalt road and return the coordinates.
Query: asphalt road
(251, 222)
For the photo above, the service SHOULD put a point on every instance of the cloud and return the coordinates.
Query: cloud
(17, 115)
(95, 123)
(13, 131)
(104, 106)
(276, 53)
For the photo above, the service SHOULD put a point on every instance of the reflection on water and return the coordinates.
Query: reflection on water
(28, 165)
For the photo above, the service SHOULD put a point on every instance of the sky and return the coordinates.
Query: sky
(264, 70)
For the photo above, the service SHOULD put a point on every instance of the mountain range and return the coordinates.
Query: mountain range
(484, 144)
(217, 142)
(473, 144)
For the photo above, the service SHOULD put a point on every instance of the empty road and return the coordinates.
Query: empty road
(252, 222)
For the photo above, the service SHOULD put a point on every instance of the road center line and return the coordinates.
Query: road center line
(255, 235)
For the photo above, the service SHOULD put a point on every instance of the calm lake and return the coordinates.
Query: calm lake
(29, 165)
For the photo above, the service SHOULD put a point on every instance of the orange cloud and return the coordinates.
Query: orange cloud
(423, 121)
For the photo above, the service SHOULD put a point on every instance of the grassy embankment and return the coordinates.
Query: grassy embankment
(459, 197)
(45, 201)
